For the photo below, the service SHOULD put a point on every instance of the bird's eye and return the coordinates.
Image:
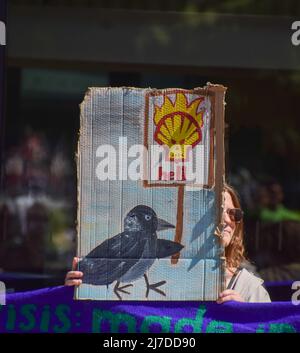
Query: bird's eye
(147, 217)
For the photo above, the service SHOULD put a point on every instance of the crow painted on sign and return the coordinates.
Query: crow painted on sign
(127, 256)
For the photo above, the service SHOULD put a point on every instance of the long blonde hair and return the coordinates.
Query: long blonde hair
(235, 251)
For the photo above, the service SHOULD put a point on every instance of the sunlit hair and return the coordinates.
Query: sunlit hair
(235, 251)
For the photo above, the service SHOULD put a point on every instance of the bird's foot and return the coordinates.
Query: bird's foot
(121, 289)
(154, 286)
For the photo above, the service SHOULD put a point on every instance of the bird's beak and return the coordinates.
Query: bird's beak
(163, 225)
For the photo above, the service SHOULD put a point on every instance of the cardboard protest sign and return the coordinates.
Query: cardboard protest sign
(150, 178)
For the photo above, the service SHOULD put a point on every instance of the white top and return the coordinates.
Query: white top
(249, 287)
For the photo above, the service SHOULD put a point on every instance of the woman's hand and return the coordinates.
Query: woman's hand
(228, 295)
(73, 278)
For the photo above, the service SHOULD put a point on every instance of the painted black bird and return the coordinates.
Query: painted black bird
(127, 256)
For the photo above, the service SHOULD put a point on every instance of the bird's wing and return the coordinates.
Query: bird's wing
(122, 246)
(99, 271)
(167, 248)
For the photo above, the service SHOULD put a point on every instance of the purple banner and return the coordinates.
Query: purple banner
(53, 310)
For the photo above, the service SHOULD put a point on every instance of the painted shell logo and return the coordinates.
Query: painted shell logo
(178, 124)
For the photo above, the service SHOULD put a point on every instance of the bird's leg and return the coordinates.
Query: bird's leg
(154, 286)
(121, 289)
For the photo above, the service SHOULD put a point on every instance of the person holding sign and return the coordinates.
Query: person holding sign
(241, 285)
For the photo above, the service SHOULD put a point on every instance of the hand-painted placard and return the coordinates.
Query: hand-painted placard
(150, 174)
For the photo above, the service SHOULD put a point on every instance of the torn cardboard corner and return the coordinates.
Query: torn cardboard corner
(138, 151)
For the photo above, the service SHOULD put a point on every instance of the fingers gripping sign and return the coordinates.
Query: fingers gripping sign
(229, 295)
(74, 278)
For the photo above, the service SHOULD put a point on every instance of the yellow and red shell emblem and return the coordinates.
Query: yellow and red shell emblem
(178, 124)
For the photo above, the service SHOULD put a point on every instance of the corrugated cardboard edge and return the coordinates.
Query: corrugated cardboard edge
(87, 97)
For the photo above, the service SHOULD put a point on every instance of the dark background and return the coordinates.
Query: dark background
(2, 74)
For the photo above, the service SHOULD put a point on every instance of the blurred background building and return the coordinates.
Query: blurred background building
(58, 48)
